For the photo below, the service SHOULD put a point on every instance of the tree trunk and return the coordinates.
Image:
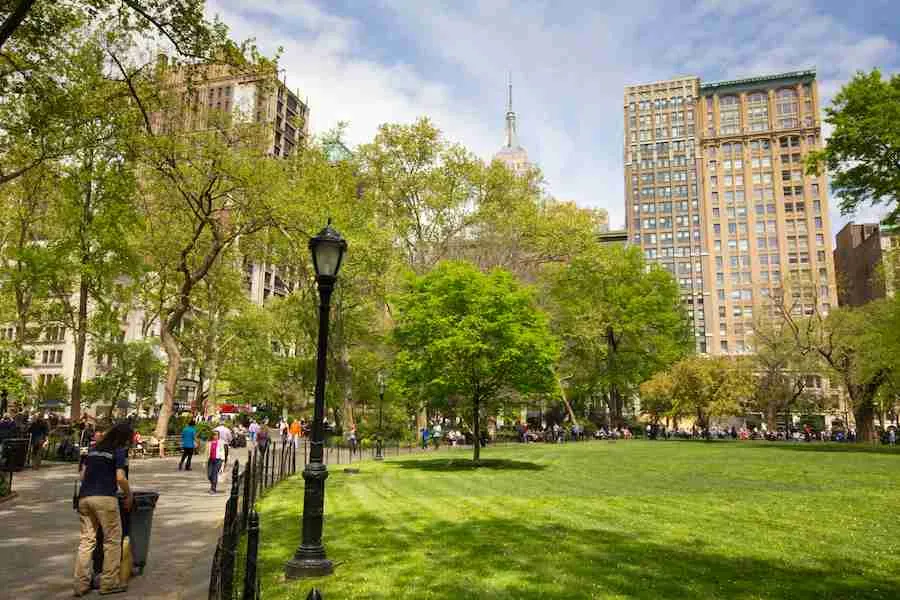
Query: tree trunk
(170, 344)
(562, 392)
(864, 414)
(476, 456)
(771, 416)
(80, 345)
(347, 372)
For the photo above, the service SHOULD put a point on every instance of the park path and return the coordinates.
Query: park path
(39, 532)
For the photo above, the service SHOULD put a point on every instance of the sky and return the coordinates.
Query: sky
(368, 63)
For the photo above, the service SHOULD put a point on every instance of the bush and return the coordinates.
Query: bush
(506, 435)
(204, 430)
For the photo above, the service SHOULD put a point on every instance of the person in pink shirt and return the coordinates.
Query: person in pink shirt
(214, 463)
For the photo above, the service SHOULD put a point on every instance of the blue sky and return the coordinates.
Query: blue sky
(368, 63)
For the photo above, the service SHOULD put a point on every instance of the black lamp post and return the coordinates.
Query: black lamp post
(378, 447)
(328, 249)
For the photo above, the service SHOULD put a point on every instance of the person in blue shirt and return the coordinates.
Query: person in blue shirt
(102, 472)
(188, 443)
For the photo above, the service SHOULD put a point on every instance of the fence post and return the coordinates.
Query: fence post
(266, 461)
(230, 536)
(293, 459)
(252, 459)
(250, 586)
(247, 481)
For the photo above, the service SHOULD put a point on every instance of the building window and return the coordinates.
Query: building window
(758, 111)
(51, 357)
(729, 115)
(787, 108)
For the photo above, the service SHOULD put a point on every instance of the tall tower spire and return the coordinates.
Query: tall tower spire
(511, 141)
(511, 153)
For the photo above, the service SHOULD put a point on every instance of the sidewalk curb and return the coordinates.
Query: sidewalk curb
(10, 496)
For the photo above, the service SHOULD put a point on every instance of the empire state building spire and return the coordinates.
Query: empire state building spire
(511, 141)
(512, 154)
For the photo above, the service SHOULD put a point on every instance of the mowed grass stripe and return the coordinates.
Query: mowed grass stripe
(599, 520)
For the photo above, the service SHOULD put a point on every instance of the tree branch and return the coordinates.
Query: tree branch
(14, 19)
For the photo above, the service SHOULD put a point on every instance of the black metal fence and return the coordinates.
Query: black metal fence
(234, 575)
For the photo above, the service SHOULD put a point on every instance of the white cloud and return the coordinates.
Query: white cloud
(570, 64)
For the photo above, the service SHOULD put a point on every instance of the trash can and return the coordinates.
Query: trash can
(141, 525)
(136, 525)
(15, 451)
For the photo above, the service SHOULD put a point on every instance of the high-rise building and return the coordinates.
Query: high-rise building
(244, 95)
(662, 196)
(512, 154)
(717, 193)
(865, 260)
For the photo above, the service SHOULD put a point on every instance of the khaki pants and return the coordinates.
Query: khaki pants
(99, 511)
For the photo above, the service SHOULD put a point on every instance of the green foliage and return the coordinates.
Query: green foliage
(53, 389)
(863, 152)
(855, 345)
(123, 368)
(12, 359)
(619, 320)
(464, 334)
(658, 395)
(782, 370)
(710, 386)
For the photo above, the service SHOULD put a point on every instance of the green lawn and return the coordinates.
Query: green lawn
(603, 520)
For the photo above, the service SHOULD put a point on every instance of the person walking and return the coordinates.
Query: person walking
(188, 444)
(214, 461)
(892, 436)
(262, 436)
(253, 430)
(225, 436)
(296, 431)
(38, 431)
(102, 471)
(352, 439)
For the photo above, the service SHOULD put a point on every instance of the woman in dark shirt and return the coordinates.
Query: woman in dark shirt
(102, 472)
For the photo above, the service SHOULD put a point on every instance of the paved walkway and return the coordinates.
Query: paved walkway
(39, 532)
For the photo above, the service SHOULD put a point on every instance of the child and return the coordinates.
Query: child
(214, 463)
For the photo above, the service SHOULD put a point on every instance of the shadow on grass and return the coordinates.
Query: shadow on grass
(512, 558)
(465, 464)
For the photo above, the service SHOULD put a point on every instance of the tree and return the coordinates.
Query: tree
(854, 344)
(12, 383)
(202, 191)
(94, 212)
(863, 151)
(782, 369)
(182, 22)
(26, 261)
(423, 186)
(705, 387)
(123, 368)
(461, 333)
(657, 396)
(619, 321)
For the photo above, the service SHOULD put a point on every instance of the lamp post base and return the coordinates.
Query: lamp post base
(303, 568)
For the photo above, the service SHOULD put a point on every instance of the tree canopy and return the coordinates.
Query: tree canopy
(472, 335)
(863, 152)
(619, 319)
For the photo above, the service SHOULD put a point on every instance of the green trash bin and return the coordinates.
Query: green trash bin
(141, 525)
